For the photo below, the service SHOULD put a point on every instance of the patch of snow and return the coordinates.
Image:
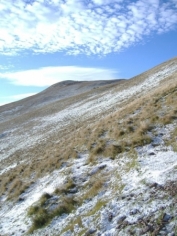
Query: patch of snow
(13, 216)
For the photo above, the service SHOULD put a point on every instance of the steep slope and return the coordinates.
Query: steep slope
(100, 162)
(56, 92)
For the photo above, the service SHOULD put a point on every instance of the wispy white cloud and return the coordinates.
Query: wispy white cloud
(47, 76)
(81, 26)
(2, 67)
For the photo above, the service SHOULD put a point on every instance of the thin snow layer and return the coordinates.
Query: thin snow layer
(155, 164)
(134, 203)
(9, 112)
(93, 106)
(14, 220)
(8, 168)
(22, 138)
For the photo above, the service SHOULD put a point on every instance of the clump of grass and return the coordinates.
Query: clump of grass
(40, 219)
(144, 127)
(114, 149)
(32, 210)
(168, 119)
(121, 133)
(130, 121)
(154, 118)
(101, 133)
(64, 189)
(44, 198)
(16, 188)
(65, 207)
(141, 140)
(42, 216)
(130, 129)
(99, 148)
(92, 188)
(35, 209)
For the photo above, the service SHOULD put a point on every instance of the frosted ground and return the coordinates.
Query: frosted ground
(90, 107)
(142, 187)
(156, 165)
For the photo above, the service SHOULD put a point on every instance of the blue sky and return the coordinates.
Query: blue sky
(43, 42)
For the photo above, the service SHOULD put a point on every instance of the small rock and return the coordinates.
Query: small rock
(94, 171)
(123, 197)
(110, 216)
(125, 223)
(102, 166)
(151, 153)
(21, 199)
(166, 217)
(90, 231)
(134, 212)
(156, 185)
(121, 219)
(73, 190)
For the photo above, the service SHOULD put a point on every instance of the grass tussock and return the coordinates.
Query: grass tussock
(144, 127)
(92, 189)
(41, 214)
(114, 149)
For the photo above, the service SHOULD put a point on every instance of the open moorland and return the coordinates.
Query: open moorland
(92, 158)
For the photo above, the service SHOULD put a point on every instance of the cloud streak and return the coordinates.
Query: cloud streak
(47, 76)
(81, 26)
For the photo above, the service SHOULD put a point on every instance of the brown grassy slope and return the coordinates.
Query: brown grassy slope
(121, 130)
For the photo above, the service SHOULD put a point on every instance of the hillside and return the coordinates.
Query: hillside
(92, 158)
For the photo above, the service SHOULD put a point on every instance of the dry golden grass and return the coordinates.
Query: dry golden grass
(125, 127)
(92, 188)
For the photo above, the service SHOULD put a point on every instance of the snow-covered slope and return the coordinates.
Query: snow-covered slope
(130, 193)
